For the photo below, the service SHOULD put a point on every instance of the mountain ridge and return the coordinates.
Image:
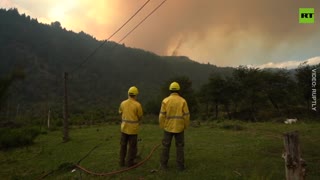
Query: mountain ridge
(47, 51)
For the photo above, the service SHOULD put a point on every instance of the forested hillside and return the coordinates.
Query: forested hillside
(34, 57)
(44, 52)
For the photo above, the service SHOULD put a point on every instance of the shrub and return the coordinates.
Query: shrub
(232, 125)
(12, 138)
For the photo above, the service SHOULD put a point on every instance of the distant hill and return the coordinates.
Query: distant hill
(46, 51)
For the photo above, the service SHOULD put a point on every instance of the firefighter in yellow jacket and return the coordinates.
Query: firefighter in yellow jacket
(174, 118)
(131, 113)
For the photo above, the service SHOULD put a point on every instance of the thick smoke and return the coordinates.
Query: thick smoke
(222, 32)
(228, 32)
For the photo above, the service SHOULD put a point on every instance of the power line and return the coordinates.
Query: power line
(142, 21)
(154, 10)
(111, 49)
(93, 52)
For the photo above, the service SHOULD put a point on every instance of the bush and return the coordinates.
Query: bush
(232, 125)
(10, 124)
(12, 138)
(150, 119)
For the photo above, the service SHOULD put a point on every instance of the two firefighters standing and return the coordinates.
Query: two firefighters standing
(174, 118)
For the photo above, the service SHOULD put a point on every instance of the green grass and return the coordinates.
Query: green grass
(212, 151)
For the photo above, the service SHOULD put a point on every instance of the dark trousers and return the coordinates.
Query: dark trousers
(132, 152)
(166, 143)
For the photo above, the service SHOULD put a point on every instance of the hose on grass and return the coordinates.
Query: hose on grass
(118, 171)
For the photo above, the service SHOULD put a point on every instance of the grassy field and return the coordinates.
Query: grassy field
(226, 150)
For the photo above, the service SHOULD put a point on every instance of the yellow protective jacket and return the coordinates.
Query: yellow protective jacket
(174, 114)
(131, 113)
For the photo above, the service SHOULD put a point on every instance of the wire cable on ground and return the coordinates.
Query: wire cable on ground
(95, 50)
(88, 153)
(118, 171)
(69, 166)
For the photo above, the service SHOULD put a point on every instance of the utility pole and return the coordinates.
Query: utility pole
(65, 111)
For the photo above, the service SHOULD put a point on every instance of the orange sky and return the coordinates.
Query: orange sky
(222, 32)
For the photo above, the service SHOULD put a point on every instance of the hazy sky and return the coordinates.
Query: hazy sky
(262, 33)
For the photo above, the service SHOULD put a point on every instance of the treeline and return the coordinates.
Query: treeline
(260, 95)
(252, 94)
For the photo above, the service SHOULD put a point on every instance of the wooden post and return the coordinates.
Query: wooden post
(17, 113)
(294, 165)
(48, 122)
(65, 112)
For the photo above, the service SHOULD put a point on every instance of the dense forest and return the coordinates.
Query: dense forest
(34, 57)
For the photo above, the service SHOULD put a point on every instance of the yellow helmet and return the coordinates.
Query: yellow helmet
(174, 86)
(133, 91)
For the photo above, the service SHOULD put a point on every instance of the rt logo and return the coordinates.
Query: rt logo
(306, 15)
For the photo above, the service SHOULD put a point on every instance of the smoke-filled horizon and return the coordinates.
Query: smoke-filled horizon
(221, 32)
